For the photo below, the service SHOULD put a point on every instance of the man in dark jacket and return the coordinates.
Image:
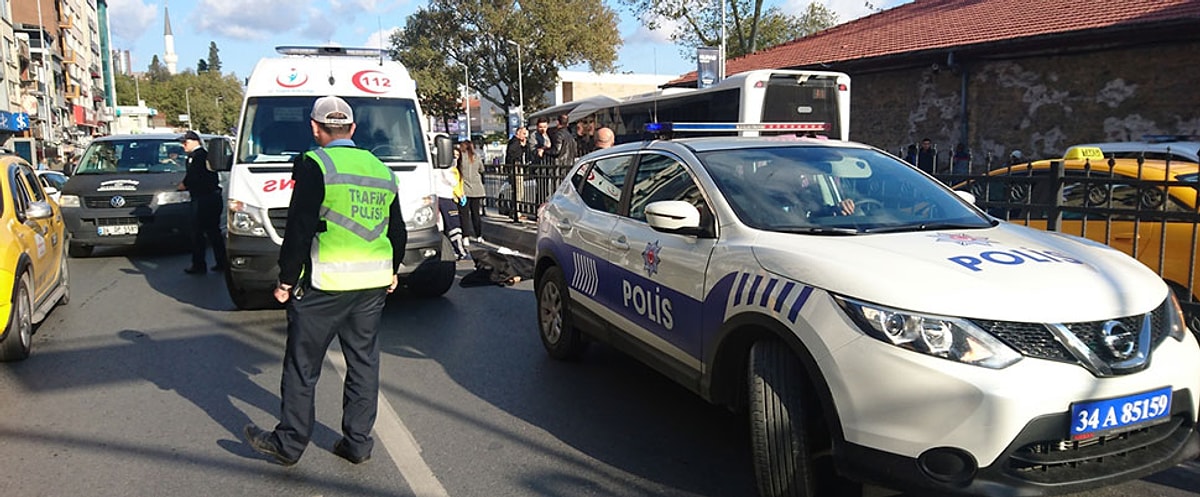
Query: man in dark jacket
(563, 149)
(204, 188)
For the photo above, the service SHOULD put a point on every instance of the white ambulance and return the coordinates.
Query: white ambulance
(274, 129)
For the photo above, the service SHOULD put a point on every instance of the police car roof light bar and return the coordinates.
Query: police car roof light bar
(672, 127)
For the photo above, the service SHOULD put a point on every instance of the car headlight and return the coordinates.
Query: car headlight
(1176, 322)
(424, 217)
(245, 220)
(951, 338)
(68, 201)
(164, 198)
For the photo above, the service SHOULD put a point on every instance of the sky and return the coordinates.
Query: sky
(247, 30)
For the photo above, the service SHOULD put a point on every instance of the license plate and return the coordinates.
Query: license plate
(1099, 417)
(120, 229)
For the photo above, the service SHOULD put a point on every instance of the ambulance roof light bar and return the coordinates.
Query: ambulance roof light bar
(329, 51)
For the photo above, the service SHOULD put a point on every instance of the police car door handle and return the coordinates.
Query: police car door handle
(619, 243)
(564, 225)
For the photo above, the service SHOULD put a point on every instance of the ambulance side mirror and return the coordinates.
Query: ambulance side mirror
(443, 150)
(218, 155)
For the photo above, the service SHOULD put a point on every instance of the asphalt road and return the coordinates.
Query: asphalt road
(141, 386)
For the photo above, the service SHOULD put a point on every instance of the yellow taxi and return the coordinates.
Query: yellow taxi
(33, 257)
(1147, 210)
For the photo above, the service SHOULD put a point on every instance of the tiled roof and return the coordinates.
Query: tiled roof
(941, 24)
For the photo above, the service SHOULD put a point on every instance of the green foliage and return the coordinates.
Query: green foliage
(157, 71)
(214, 59)
(439, 39)
(215, 99)
(202, 66)
(749, 28)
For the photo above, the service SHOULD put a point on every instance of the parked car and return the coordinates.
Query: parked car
(52, 182)
(123, 192)
(1147, 211)
(893, 341)
(33, 257)
(1160, 149)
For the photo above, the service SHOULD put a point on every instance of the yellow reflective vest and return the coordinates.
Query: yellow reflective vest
(353, 252)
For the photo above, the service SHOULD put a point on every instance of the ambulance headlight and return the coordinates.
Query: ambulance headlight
(424, 217)
(245, 220)
(951, 338)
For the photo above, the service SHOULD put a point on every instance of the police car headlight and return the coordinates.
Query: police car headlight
(424, 217)
(1176, 322)
(164, 198)
(68, 201)
(245, 220)
(951, 338)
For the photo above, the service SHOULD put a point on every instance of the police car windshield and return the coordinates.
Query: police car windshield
(142, 155)
(794, 189)
(278, 129)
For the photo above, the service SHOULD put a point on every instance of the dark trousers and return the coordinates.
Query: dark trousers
(313, 321)
(472, 216)
(206, 228)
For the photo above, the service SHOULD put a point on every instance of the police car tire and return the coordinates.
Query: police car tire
(18, 336)
(782, 465)
(559, 335)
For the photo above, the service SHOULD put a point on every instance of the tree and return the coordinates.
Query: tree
(201, 66)
(749, 27)
(441, 38)
(214, 60)
(157, 71)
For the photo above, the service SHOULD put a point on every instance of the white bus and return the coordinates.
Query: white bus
(818, 99)
(274, 129)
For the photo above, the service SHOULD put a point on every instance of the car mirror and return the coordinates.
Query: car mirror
(39, 210)
(673, 216)
(218, 156)
(965, 195)
(50, 190)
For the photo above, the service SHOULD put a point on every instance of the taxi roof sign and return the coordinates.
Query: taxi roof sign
(1084, 153)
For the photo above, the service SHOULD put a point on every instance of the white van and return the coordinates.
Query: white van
(274, 129)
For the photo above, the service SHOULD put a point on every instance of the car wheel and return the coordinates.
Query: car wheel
(18, 335)
(244, 300)
(783, 464)
(559, 335)
(79, 250)
(433, 282)
(64, 280)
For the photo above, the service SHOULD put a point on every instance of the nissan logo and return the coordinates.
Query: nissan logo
(1121, 342)
(117, 201)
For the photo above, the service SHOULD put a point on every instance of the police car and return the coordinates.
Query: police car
(874, 325)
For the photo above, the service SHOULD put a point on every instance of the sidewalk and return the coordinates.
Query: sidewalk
(503, 232)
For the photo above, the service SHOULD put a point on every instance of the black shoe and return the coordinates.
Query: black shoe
(195, 270)
(342, 450)
(260, 441)
(220, 268)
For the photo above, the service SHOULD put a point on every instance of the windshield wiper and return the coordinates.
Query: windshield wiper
(818, 230)
(926, 227)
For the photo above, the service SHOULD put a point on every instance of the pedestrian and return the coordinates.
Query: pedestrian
(518, 155)
(604, 138)
(926, 156)
(910, 154)
(204, 189)
(448, 186)
(541, 140)
(585, 139)
(470, 167)
(519, 149)
(342, 247)
(1015, 158)
(961, 163)
(563, 150)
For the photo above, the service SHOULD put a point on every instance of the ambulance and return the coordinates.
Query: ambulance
(274, 129)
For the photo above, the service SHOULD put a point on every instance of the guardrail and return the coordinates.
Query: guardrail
(516, 190)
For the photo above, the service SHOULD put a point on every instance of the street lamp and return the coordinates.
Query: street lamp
(467, 99)
(520, 82)
(187, 98)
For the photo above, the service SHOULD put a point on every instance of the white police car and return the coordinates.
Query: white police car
(908, 340)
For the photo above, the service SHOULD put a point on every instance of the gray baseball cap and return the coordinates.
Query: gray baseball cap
(332, 110)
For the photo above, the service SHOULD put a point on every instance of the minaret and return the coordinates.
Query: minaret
(169, 40)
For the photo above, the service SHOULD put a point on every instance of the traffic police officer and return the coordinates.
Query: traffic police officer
(341, 250)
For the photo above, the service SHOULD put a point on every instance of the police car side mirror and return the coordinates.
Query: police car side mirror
(444, 152)
(965, 195)
(218, 155)
(673, 216)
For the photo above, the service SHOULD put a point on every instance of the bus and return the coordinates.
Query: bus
(820, 99)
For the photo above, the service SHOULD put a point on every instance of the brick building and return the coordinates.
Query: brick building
(999, 75)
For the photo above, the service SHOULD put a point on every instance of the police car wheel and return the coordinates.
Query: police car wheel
(18, 336)
(783, 466)
(559, 335)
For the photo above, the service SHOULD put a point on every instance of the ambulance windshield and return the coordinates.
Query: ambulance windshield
(277, 129)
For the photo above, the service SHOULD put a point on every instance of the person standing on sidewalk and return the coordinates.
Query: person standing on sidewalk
(342, 247)
(204, 188)
(470, 166)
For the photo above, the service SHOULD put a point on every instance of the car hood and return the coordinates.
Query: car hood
(121, 183)
(1007, 272)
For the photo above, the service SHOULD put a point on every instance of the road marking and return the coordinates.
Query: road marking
(399, 442)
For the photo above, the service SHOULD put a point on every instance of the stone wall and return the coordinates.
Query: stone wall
(1039, 105)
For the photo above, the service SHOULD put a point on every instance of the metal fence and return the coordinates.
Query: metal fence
(516, 191)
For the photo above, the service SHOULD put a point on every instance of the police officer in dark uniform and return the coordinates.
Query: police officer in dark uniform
(204, 188)
(343, 245)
